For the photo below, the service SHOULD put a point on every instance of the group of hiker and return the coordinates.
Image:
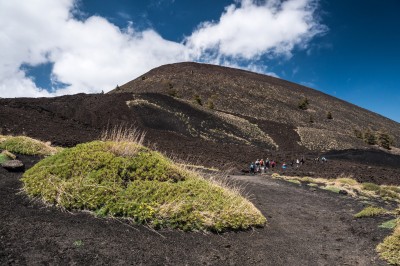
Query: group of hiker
(261, 166)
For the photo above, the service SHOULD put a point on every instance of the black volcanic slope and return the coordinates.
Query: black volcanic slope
(253, 116)
(269, 100)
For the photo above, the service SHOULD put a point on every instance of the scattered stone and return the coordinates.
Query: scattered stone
(13, 165)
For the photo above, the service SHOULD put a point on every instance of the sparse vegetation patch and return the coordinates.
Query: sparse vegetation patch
(140, 184)
(349, 186)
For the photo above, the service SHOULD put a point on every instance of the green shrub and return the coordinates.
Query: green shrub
(389, 249)
(389, 224)
(9, 154)
(144, 186)
(347, 181)
(386, 193)
(332, 189)
(371, 211)
(78, 243)
(26, 145)
(294, 181)
(307, 179)
(370, 186)
(3, 158)
(393, 188)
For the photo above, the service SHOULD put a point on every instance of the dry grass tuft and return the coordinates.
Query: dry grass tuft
(127, 141)
(123, 134)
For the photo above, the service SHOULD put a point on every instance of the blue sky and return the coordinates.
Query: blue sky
(348, 49)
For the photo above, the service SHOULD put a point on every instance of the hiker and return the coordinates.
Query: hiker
(284, 166)
(257, 165)
(324, 160)
(267, 164)
(262, 166)
(292, 163)
(273, 163)
(252, 166)
(297, 163)
(302, 161)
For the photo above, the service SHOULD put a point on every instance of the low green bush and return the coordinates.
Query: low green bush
(389, 249)
(3, 158)
(332, 189)
(145, 186)
(347, 181)
(389, 224)
(294, 181)
(393, 188)
(389, 194)
(26, 145)
(371, 186)
(371, 211)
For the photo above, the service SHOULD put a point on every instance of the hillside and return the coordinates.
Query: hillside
(267, 102)
(253, 116)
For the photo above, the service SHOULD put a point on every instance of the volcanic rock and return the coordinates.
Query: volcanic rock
(13, 165)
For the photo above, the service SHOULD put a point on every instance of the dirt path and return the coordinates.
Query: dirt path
(304, 228)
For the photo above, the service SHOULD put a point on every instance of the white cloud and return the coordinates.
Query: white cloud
(93, 54)
(249, 30)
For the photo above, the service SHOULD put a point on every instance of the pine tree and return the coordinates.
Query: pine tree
(303, 104)
(197, 99)
(369, 137)
(358, 134)
(384, 140)
(210, 104)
